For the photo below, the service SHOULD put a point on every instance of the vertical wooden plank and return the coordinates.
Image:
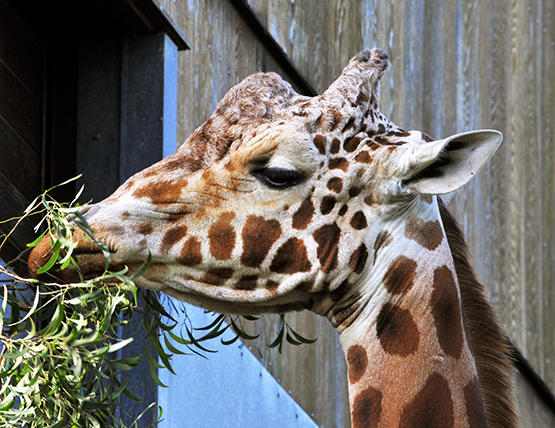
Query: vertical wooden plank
(530, 139)
(432, 45)
(499, 168)
(515, 130)
(98, 118)
(546, 93)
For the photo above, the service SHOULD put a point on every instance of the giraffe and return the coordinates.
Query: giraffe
(281, 202)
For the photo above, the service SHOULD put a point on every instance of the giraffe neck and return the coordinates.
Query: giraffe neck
(409, 361)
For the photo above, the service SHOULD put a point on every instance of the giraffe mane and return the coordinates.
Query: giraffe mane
(490, 347)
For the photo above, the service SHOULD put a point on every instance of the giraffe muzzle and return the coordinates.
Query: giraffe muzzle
(90, 257)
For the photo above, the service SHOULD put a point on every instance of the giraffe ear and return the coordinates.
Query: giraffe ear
(446, 165)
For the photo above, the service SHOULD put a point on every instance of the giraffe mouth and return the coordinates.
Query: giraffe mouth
(91, 263)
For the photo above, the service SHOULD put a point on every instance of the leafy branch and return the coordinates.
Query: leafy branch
(58, 360)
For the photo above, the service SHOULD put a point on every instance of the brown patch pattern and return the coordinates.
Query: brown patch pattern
(335, 184)
(171, 237)
(357, 360)
(358, 221)
(145, 228)
(367, 408)
(303, 216)
(363, 157)
(339, 163)
(327, 238)
(217, 276)
(222, 237)
(335, 146)
(383, 239)
(320, 142)
(351, 144)
(161, 192)
(446, 311)
(354, 192)
(400, 275)
(427, 234)
(474, 405)
(190, 253)
(291, 258)
(343, 210)
(358, 259)
(246, 282)
(258, 236)
(271, 285)
(327, 204)
(396, 330)
(432, 407)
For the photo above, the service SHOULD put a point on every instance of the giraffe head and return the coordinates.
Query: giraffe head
(276, 203)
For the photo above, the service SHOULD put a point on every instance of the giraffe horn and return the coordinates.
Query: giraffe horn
(359, 82)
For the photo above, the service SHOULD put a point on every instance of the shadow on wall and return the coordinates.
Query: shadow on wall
(229, 386)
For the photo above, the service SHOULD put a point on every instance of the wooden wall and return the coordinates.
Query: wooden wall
(21, 125)
(456, 65)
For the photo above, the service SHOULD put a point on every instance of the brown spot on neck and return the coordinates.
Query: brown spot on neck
(446, 311)
(474, 405)
(400, 275)
(383, 239)
(358, 221)
(396, 330)
(367, 408)
(327, 204)
(339, 163)
(327, 238)
(351, 144)
(428, 234)
(246, 282)
(320, 142)
(357, 360)
(432, 407)
(335, 184)
(358, 259)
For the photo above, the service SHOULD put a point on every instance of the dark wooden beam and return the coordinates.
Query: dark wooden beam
(99, 19)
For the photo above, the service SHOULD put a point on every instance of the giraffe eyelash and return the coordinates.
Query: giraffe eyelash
(278, 178)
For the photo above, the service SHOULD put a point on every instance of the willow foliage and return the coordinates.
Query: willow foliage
(59, 361)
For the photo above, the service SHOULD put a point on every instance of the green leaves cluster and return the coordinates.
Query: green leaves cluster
(60, 364)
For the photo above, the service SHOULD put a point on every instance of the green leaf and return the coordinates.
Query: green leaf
(301, 338)
(143, 267)
(153, 365)
(50, 263)
(241, 333)
(36, 241)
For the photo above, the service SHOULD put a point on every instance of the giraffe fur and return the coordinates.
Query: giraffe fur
(281, 202)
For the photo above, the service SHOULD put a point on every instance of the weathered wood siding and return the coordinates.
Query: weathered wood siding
(456, 65)
(21, 123)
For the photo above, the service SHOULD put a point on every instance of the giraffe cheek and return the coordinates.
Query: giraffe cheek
(259, 235)
(222, 237)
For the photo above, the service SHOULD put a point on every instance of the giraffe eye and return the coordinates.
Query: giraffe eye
(278, 177)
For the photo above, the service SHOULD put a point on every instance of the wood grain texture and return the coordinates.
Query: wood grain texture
(456, 65)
